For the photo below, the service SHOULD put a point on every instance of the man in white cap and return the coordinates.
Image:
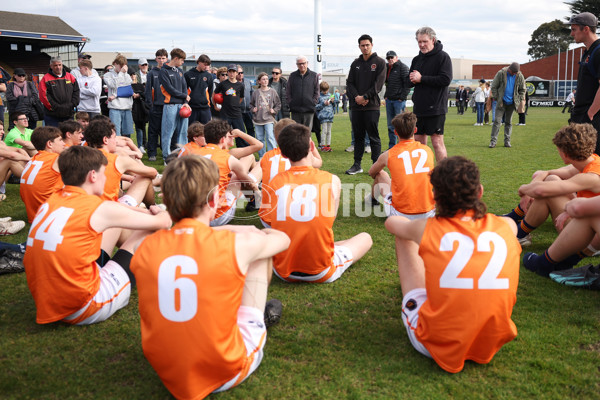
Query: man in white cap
(142, 73)
(585, 110)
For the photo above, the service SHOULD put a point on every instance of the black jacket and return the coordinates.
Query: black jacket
(285, 108)
(201, 86)
(366, 78)
(302, 91)
(395, 84)
(431, 94)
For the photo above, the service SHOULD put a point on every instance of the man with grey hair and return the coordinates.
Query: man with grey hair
(585, 110)
(508, 89)
(303, 93)
(430, 73)
(245, 104)
(59, 93)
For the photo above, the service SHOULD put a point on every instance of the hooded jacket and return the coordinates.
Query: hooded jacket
(366, 78)
(430, 96)
(200, 85)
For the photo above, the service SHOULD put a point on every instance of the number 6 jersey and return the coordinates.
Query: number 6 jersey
(471, 278)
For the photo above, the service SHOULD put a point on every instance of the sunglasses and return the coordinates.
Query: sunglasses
(241, 73)
(222, 74)
(276, 73)
(389, 58)
(21, 75)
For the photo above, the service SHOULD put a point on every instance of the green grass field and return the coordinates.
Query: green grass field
(346, 339)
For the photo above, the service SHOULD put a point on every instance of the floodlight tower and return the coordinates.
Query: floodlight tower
(318, 43)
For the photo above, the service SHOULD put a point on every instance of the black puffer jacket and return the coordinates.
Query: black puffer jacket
(395, 84)
(431, 94)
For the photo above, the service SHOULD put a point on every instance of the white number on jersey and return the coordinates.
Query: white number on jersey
(417, 153)
(177, 297)
(209, 156)
(489, 278)
(50, 231)
(275, 161)
(37, 165)
(303, 206)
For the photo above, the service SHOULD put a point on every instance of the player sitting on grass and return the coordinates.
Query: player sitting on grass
(83, 118)
(571, 245)
(206, 287)
(12, 160)
(549, 191)
(303, 202)
(101, 135)
(233, 173)
(408, 192)
(71, 132)
(272, 162)
(64, 244)
(459, 271)
(196, 140)
(20, 135)
(41, 178)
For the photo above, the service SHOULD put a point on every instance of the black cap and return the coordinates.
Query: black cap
(19, 71)
(585, 19)
(391, 53)
(232, 67)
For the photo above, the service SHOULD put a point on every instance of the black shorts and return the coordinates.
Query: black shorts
(431, 125)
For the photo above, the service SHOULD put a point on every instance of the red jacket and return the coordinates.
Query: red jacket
(60, 95)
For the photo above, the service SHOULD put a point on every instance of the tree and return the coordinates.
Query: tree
(579, 6)
(548, 38)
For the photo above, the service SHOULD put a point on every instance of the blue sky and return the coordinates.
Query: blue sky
(483, 29)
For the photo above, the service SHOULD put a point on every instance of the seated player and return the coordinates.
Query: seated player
(41, 177)
(101, 135)
(195, 139)
(408, 192)
(272, 162)
(571, 245)
(20, 135)
(12, 160)
(233, 173)
(125, 145)
(205, 287)
(71, 132)
(83, 118)
(64, 243)
(549, 191)
(303, 202)
(459, 271)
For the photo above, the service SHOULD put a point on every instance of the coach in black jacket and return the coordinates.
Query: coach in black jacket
(431, 74)
(365, 81)
(396, 91)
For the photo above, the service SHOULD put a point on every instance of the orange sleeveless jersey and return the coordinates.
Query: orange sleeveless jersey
(471, 277)
(221, 158)
(190, 148)
(301, 205)
(272, 163)
(594, 168)
(113, 178)
(409, 163)
(62, 248)
(190, 289)
(39, 181)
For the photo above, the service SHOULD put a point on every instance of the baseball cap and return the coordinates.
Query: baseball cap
(514, 67)
(19, 71)
(84, 56)
(232, 67)
(142, 61)
(391, 53)
(584, 18)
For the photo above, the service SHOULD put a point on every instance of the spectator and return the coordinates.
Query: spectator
(142, 74)
(245, 105)
(303, 93)
(279, 83)
(22, 96)
(479, 96)
(396, 92)
(265, 104)
(215, 109)
(4, 78)
(336, 101)
(233, 95)
(90, 88)
(104, 92)
(139, 111)
(488, 103)
(344, 102)
(155, 100)
(59, 97)
(569, 101)
(508, 89)
(200, 84)
(120, 97)
(325, 114)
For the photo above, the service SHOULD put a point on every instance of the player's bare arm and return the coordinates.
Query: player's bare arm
(379, 165)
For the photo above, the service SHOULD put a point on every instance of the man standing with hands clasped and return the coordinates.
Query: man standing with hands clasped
(430, 73)
(365, 81)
